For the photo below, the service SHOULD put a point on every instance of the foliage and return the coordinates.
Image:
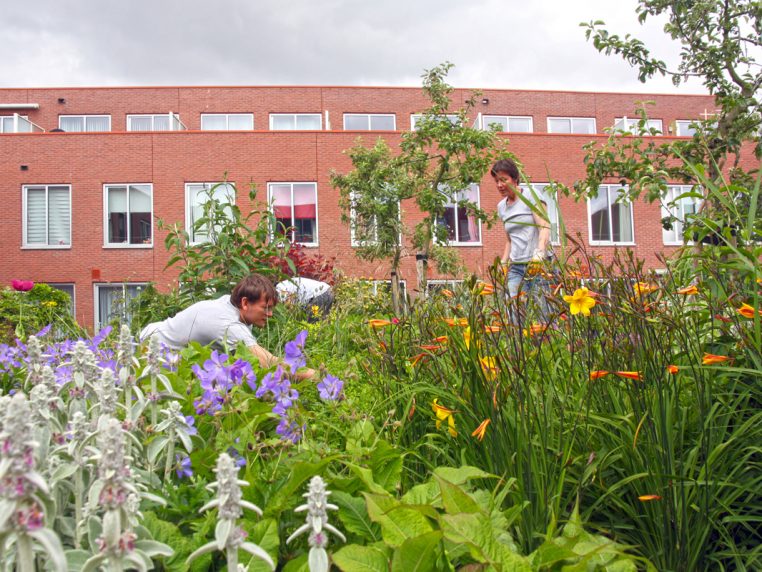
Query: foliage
(23, 313)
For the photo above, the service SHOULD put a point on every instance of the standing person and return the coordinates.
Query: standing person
(527, 233)
(226, 320)
(307, 293)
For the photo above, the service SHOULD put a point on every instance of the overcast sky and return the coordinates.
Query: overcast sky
(493, 43)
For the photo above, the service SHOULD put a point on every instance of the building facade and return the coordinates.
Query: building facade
(87, 172)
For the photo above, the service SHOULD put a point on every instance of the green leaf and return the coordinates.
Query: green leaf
(366, 476)
(386, 464)
(398, 522)
(477, 532)
(354, 558)
(264, 534)
(427, 493)
(298, 564)
(300, 472)
(461, 475)
(153, 548)
(354, 516)
(75, 559)
(455, 499)
(417, 554)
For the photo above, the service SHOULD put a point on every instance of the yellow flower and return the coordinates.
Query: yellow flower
(691, 290)
(489, 367)
(315, 311)
(444, 414)
(643, 288)
(467, 337)
(377, 323)
(580, 301)
(647, 498)
(748, 311)
(483, 289)
(481, 429)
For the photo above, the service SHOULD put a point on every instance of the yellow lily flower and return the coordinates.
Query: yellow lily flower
(444, 414)
(580, 301)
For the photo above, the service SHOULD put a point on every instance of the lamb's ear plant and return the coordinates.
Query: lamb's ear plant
(127, 364)
(153, 371)
(175, 426)
(229, 536)
(25, 506)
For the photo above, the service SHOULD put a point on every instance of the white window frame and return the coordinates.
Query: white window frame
(296, 116)
(454, 204)
(685, 124)
(369, 117)
(84, 122)
(175, 124)
(377, 283)
(15, 121)
(96, 297)
(106, 243)
(485, 123)
(24, 206)
(227, 117)
(60, 286)
(444, 283)
(608, 188)
(271, 205)
(416, 117)
(358, 243)
(189, 207)
(677, 226)
(571, 125)
(631, 124)
(541, 194)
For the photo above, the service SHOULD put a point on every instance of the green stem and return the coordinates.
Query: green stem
(232, 557)
(24, 553)
(154, 405)
(79, 489)
(170, 455)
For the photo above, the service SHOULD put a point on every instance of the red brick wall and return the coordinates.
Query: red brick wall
(170, 159)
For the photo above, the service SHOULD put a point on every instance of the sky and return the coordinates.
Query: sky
(507, 44)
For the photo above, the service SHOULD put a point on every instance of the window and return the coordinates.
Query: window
(156, 122)
(462, 229)
(583, 125)
(367, 228)
(227, 121)
(66, 289)
(416, 118)
(685, 128)
(384, 288)
(369, 122)
(47, 216)
(675, 205)
(114, 302)
(197, 196)
(295, 209)
(436, 286)
(508, 123)
(610, 221)
(77, 123)
(296, 122)
(15, 124)
(129, 218)
(630, 124)
(544, 192)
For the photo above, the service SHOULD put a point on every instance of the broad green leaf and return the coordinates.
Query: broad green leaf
(298, 564)
(265, 535)
(427, 493)
(300, 473)
(153, 548)
(354, 558)
(398, 522)
(455, 499)
(418, 554)
(460, 475)
(354, 516)
(366, 476)
(75, 559)
(477, 532)
(386, 464)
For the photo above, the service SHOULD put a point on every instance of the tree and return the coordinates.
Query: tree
(719, 39)
(436, 161)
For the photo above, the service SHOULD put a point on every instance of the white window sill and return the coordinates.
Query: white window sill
(46, 247)
(309, 244)
(612, 243)
(129, 246)
(463, 244)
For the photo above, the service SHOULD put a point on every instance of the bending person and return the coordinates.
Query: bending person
(225, 321)
(308, 294)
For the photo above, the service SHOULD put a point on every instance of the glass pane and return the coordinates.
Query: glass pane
(382, 122)
(6, 124)
(241, 122)
(621, 219)
(583, 125)
(280, 197)
(117, 214)
(59, 216)
(36, 223)
(308, 122)
(655, 124)
(139, 123)
(305, 213)
(71, 124)
(98, 123)
(467, 227)
(520, 124)
(283, 122)
(599, 216)
(449, 221)
(213, 123)
(140, 214)
(356, 122)
(161, 123)
(559, 126)
(489, 120)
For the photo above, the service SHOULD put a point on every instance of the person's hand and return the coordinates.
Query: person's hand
(538, 256)
(306, 373)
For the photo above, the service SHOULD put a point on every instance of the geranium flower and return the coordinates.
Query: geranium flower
(330, 388)
(748, 311)
(599, 373)
(22, 285)
(376, 323)
(691, 290)
(711, 359)
(647, 498)
(580, 301)
(481, 429)
(444, 414)
(293, 355)
(673, 369)
(183, 467)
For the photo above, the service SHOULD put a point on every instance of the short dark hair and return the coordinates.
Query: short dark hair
(253, 288)
(505, 166)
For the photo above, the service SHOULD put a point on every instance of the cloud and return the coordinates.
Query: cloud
(494, 43)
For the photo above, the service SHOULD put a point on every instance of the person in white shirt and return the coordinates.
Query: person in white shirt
(307, 293)
(225, 321)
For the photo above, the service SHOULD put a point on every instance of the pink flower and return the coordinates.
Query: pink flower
(22, 285)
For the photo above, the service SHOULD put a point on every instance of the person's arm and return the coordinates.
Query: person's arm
(506, 258)
(267, 360)
(544, 231)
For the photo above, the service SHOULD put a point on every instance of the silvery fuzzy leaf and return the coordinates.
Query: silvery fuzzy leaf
(186, 440)
(76, 559)
(257, 551)
(167, 384)
(211, 504)
(36, 479)
(153, 498)
(163, 425)
(318, 560)
(251, 506)
(93, 496)
(63, 472)
(112, 528)
(208, 547)
(137, 560)
(222, 532)
(124, 374)
(52, 545)
(4, 466)
(153, 548)
(6, 510)
(93, 563)
(94, 530)
(155, 447)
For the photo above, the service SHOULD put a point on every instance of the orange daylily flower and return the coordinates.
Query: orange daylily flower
(441, 339)
(691, 290)
(481, 429)
(673, 369)
(580, 302)
(643, 288)
(534, 329)
(711, 359)
(599, 373)
(646, 498)
(376, 323)
(444, 414)
(493, 329)
(489, 367)
(748, 311)
(417, 358)
(462, 322)
(447, 293)
(431, 347)
(467, 337)
(484, 289)
(630, 375)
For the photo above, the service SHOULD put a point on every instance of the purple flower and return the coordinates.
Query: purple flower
(171, 359)
(330, 387)
(293, 355)
(273, 382)
(100, 336)
(241, 371)
(215, 375)
(239, 460)
(285, 401)
(44, 331)
(183, 467)
(289, 430)
(190, 421)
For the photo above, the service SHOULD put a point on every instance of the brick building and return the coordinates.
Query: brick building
(80, 206)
